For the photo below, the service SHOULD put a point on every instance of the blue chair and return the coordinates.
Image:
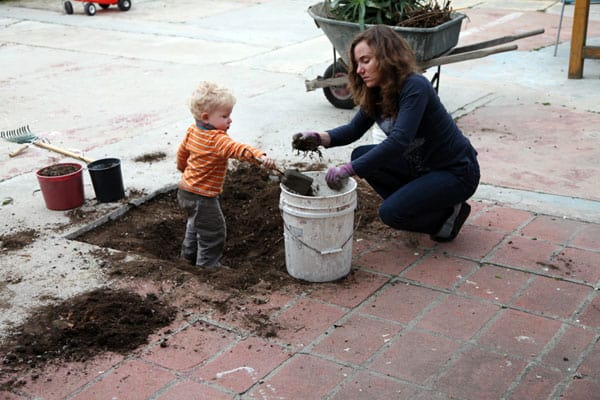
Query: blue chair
(562, 12)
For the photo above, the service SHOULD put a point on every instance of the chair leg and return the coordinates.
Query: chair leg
(562, 12)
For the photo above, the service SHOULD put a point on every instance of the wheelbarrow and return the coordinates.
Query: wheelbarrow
(90, 8)
(433, 47)
(427, 43)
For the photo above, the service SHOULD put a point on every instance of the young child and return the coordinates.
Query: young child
(203, 158)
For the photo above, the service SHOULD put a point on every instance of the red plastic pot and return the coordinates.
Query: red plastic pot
(62, 192)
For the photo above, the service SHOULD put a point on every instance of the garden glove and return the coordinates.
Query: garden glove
(337, 177)
(306, 141)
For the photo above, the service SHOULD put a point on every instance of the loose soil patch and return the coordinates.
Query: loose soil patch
(58, 170)
(148, 240)
(17, 240)
(150, 157)
(82, 327)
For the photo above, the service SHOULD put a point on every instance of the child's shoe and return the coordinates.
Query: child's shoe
(188, 260)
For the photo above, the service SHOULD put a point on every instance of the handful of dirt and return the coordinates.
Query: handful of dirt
(309, 143)
(306, 144)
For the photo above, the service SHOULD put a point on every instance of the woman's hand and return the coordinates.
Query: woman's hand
(310, 141)
(336, 177)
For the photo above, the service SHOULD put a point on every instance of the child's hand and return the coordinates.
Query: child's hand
(268, 162)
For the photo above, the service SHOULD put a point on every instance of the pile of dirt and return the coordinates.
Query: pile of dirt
(148, 239)
(17, 240)
(254, 250)
(84, 326)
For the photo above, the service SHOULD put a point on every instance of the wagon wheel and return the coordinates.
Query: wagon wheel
(338, 96)
(90, 8)
(104, 6)
(68, 7)
(124, 5)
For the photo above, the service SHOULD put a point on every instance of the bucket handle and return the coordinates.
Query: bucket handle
(321, 252)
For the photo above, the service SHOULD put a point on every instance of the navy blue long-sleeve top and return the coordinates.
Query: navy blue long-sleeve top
(423, 132)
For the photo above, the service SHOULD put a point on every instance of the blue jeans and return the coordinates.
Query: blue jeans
(420, 202)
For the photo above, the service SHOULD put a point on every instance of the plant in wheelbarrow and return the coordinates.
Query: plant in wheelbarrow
(408, 13)
(430, 28)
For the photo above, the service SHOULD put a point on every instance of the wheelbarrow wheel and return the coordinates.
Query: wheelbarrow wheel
(124, 5)
(68, 7)
(338, 96)
(104, 6)
(90, 9)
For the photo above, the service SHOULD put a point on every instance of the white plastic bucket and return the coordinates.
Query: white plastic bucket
(318, 230)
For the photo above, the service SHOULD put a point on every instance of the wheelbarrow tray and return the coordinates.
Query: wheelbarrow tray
(454, 55)
(427, 43)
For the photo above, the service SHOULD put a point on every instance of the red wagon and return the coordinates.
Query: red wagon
(90, 8)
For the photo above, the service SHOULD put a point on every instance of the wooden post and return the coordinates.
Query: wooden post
(580, 23)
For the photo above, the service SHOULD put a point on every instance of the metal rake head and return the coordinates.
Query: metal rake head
(20, 135)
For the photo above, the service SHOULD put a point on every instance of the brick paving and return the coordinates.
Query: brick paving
(509, 310)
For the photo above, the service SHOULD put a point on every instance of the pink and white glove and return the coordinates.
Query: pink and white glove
(336, 177)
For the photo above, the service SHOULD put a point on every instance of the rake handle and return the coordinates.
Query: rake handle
(18, 151)
(63, 152)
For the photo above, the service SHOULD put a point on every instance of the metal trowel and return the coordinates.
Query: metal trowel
(295, 180)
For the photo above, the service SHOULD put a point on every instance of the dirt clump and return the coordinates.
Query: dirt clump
(150, 157)
(17, 240)
(84, 326)
(308, 146)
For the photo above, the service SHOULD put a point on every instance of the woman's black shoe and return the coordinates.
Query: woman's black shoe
(463, 214)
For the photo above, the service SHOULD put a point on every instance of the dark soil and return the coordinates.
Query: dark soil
(250, 203)
(80, 328)
(109, 320)
(150, 157)
(307, 146)
(88, 324)
(17, 240)
(59, 170)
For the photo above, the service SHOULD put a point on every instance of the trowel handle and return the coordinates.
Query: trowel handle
(63, 152)
(276, 169)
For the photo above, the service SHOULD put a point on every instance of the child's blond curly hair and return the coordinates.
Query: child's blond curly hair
(208, 97)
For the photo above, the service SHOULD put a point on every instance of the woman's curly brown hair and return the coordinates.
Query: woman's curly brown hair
(395, 59)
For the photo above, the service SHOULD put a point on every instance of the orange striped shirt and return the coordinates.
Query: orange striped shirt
(203, 158)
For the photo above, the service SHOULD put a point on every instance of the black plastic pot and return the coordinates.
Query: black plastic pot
(107, 179)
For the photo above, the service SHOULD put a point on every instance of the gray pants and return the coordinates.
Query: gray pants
(205, 230)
